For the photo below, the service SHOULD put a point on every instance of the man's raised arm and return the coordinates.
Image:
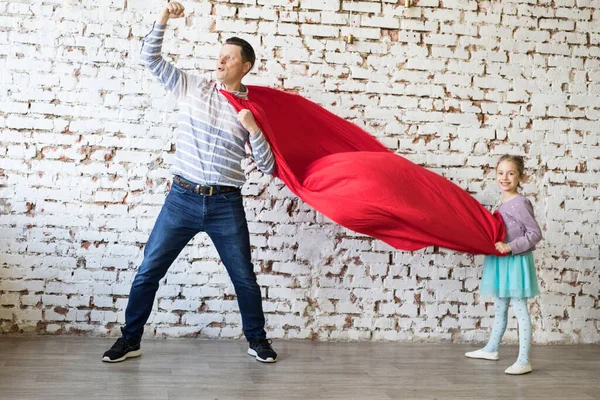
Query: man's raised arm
(170, 76)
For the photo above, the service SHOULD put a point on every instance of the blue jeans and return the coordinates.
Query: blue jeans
(183, 215)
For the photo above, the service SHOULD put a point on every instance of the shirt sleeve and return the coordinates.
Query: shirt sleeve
(533, 234)
(262, 153)
(172, 78)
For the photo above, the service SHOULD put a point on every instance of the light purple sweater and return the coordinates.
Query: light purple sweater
(522, 230)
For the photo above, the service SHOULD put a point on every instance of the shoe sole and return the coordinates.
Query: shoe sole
(483, 358)
(131, 354)
(518, 373)
(254, 354)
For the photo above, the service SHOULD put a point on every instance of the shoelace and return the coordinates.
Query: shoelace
(120, 344)
(264, 344)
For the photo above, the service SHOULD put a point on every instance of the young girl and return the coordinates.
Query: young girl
(512, 276)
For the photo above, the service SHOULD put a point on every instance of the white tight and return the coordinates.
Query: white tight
(500, 320)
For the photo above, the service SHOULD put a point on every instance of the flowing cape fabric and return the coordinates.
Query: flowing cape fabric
(346, 174)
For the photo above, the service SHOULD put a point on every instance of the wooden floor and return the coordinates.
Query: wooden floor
(47, 367)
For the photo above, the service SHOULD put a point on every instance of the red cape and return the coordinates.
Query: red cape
(347, 175)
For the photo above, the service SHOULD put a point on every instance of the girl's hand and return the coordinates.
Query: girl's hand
(502, 247)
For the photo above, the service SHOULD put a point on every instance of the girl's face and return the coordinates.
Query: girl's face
(508, 177)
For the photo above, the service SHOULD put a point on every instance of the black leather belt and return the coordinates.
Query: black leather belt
(201, 189)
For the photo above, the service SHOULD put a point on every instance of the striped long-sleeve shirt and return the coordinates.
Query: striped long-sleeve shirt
(210, 140)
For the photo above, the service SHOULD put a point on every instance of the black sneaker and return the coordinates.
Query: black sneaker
(122, 350)
(262, 350)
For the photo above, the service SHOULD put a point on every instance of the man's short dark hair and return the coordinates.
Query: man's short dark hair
(246, 50)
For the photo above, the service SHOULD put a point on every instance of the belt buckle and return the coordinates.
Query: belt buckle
(210, 192)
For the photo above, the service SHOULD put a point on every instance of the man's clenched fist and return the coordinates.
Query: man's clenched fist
(247, 120)
(171, 10)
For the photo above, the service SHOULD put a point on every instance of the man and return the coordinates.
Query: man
(205, 195)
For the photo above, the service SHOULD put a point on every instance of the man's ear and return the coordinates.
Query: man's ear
(247, 67)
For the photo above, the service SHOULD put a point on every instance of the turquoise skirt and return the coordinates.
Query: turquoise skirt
(509, 276)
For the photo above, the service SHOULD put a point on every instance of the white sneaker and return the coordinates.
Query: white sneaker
(518, 369)
(485, 355)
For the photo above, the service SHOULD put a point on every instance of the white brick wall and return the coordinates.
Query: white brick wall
(86, 138)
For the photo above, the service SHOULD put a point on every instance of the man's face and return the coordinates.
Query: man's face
(230, 67)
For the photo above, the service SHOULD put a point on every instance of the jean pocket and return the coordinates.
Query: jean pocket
(231, 196)
(178, 189)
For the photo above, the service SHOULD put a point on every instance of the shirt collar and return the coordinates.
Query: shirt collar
(242, 93)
